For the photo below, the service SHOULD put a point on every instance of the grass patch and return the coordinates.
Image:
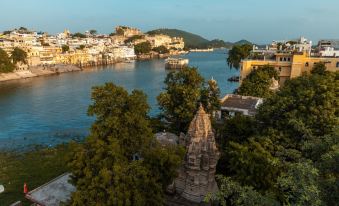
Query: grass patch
(34, 167)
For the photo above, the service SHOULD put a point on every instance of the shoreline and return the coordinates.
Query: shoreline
(38, 71)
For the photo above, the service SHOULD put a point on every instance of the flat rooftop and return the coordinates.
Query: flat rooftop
(52, 193)
(241, 102)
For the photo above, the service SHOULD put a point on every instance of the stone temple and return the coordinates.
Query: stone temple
(197, 175)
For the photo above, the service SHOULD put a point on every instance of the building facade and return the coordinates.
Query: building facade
(288, 65)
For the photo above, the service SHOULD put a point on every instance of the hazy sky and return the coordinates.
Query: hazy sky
(259, 21)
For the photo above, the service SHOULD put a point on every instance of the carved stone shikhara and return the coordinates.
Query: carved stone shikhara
(197, 175)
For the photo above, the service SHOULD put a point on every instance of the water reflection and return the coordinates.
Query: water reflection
(53, 109)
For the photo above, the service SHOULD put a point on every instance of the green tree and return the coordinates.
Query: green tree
(299, 185)
(23, 28)
(78, 35)
(238, 53)
(324, 152)
(252, 163)
(319, 68)
(306, 106)
(6, 32)
(291, 149)
(210, 97)
(179, 102)
(231, 193)
(93, 32)
(19, 55)
(5, 63)
(81, 47)
(143, 48)
(133, 38)
(119, 162)
(258, 82)
(65, 48)
(239, 128)
(161, 49)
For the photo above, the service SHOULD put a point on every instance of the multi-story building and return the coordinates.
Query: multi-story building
(167, 41)
(289, 62)
(177, 43)
(159, 40)
(123, 52)
(44, 49)
(333, 43)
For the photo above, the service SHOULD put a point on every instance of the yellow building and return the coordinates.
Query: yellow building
(289, 65)
(127, 31)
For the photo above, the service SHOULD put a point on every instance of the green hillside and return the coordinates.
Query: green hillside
(242, 42)
(196, 41)
(191, 40)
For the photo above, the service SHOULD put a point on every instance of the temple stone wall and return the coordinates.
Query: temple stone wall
(197, 175)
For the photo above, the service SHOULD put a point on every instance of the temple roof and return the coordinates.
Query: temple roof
(200, 126)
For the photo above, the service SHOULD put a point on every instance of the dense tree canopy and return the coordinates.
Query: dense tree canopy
(319, 68)
(93, 32)
(120, 162)
(19, 55)
(65, 48)
(161, 49)
(258, 82)
(184, 91)
(5, 63)
(133, 38)
(143, 48)
(289, 151)
(78, 35)
(238, 53)
(210, 97)
(180, 99)
(306, 106)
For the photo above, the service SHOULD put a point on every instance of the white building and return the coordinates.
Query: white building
(329, 52)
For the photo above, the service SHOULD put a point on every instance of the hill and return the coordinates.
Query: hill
(191, 40)
(196, 41)
(242, 42)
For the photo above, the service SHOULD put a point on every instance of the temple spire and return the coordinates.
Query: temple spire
(196, 177)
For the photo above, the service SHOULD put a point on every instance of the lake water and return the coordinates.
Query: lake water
(53, 109)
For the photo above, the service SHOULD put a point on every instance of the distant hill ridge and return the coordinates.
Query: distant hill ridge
(195, 41)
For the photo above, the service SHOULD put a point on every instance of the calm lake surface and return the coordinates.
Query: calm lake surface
(53, 109)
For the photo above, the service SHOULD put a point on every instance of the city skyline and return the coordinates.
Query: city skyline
(226, 20)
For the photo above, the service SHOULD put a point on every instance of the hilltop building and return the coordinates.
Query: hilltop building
(157, 40)
(127, 31)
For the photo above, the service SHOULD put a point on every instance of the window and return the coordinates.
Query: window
(337, 65)
(289, 59)
(281, 59)
(279, 69)
(306, 64)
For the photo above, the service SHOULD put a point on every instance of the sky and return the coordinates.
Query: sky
(259, 21)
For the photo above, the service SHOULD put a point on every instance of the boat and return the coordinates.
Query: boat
(202, 50)
(176, 63)
(234, 79)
